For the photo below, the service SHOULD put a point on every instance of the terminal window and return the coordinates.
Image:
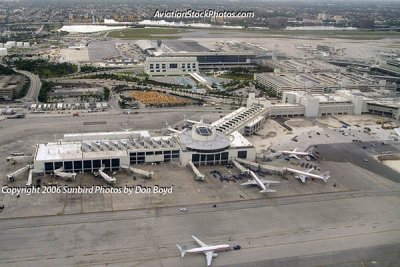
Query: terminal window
(48, 166)
(173, 66)
(87, 164)
(242, 154)
(96, 164)
(77, 165)
(58, 165)
(68, 165)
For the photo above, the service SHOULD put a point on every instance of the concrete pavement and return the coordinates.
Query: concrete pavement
(314, 226)
(34, 87)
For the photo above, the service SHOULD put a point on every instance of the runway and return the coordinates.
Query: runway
(307, 227)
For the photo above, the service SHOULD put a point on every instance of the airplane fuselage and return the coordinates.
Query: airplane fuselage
(215, 248)
(308, 174)
(297, 153)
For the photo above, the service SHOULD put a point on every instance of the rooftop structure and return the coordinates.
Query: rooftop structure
(147, 46)
(176, 46)
(391, 67)
(301, 66)
(170, 65)
(10, 86)
(206, 57)
(316, 83)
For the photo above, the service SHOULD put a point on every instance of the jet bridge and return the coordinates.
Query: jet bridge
(29, 182)
(263, 167)
(147, 174)
(106, 177)
(199, 175)
(242, 169)
(66, 175)
(11, 176)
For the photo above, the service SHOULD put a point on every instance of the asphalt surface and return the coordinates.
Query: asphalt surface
(34, 87)
(311, 228)
(356, 154)
(377, 256)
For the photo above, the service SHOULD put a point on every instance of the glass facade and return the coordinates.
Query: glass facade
(208, 159)
(86, 165)
(139, 157)
(228, 59)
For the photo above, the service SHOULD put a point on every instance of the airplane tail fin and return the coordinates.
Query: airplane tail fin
(325, 176)
(182, 250)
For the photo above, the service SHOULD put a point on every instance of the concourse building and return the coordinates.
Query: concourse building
(202, 144)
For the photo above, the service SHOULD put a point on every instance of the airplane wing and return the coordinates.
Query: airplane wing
(209, 256)
(302, 178)
(194, 122)
(310, 170)
(249, 182)
(269, 182)
(201, 243)
(296, 157)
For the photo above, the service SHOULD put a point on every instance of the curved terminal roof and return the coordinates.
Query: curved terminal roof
(145, 45)
(204, 138)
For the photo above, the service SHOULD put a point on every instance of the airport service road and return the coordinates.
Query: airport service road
(34, 87)
(308, 227)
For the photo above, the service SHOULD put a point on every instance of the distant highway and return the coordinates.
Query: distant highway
(34, 87)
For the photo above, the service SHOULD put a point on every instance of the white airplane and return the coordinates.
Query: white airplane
(208, 250)
(302, 176)
(194, 122)
(172, 129)
(263, 184)
(295, 154)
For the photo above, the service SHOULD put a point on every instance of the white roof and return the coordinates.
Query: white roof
(105, 135)
(72, 151)
(238, 140)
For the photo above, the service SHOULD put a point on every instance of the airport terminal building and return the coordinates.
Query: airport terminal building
(163, 66)
(202, 144)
